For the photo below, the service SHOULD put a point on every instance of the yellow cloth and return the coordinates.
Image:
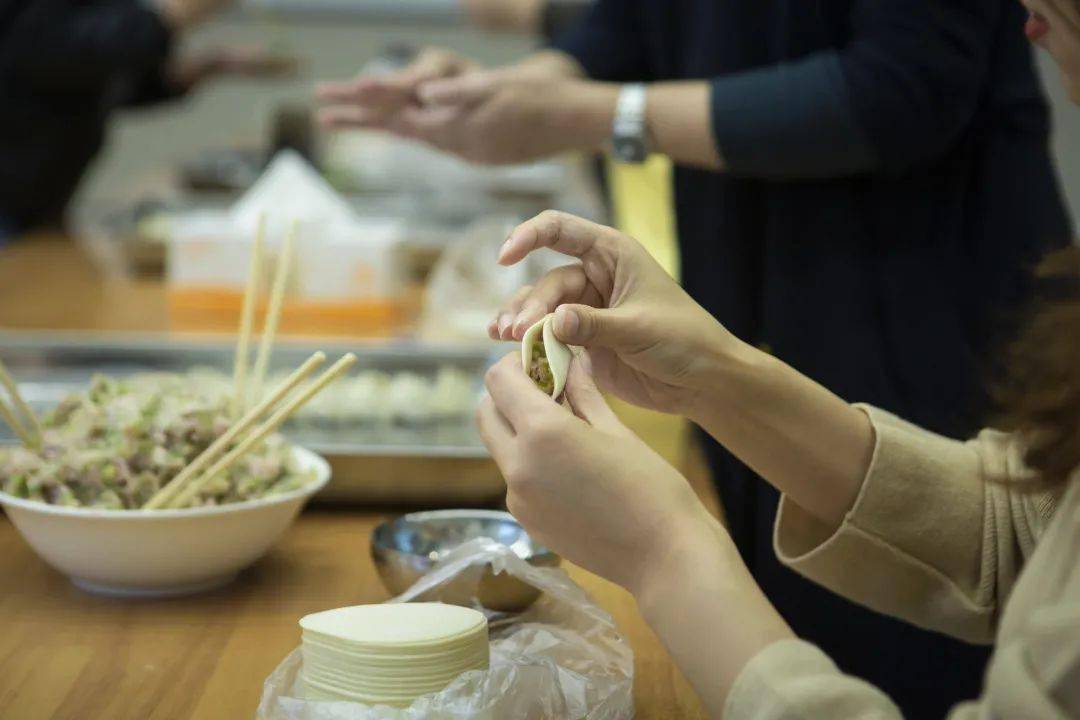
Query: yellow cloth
(642, 207)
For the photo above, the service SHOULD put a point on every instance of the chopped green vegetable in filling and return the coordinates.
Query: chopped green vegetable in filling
(115, 445)
(540, 369)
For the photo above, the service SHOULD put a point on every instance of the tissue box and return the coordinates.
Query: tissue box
(345, 278)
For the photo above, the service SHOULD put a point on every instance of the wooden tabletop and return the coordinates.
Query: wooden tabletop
(49, 283)
(65, 654)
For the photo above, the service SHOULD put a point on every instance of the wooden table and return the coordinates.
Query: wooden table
(66, 654)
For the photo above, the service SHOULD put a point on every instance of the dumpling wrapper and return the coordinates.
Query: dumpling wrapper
(395, 624)
(540, 344)
(390, 654)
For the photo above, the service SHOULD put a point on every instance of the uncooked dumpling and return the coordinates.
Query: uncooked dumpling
(545, 358)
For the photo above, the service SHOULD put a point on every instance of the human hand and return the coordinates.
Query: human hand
(376, 100)
(505, 115)
(244, 61)
(1054, 25)
(581, 482)
(649, 342)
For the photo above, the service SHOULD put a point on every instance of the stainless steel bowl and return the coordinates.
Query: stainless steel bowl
(407, 548)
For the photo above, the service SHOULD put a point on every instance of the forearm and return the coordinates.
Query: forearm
(804, 440)
(677, 118)
(708, 611)
(679, 121)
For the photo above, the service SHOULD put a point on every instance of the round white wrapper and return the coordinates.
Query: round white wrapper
(425, 624)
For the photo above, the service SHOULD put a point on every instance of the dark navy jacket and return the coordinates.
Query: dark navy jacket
(889, 186)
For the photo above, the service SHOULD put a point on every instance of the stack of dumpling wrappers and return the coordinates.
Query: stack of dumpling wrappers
(390, 654)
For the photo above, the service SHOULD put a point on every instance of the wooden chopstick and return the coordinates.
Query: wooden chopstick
(16, 427)
(247, 314)
(33, 428)
(273, 312)
(191, 491)
(162, 497)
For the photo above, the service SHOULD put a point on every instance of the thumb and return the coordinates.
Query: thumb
(585, 398)
(588, 326)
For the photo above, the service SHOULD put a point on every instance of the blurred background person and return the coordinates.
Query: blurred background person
(859, 183)
(67, 65)
(638, 194)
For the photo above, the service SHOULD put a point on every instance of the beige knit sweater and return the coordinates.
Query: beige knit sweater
(932, 540)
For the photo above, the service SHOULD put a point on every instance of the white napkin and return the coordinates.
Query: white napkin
(290, 189)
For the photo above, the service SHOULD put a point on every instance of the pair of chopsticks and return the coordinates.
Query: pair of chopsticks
(241, 391)
(218, 458)
(189, 482)
(30, 432)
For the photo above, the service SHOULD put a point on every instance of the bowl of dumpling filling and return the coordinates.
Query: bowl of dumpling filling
(78, 498)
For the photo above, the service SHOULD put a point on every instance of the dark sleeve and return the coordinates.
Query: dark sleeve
(608, 42)
(558, 16)
(89, 45)
(154, 88)
(895, 97)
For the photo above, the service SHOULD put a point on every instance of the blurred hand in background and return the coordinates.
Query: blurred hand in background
(510, 114)
(187, 72)
(504, 115)
(376, 100)
(532, 109)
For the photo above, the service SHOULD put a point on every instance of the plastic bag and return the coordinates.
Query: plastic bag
(467, 285)
(562, 659)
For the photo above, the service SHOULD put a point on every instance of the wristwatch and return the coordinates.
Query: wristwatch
(629, 134)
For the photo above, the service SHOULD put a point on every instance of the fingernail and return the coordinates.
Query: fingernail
(504, 322)
(505, 247)
(521, 324)
(568, 322)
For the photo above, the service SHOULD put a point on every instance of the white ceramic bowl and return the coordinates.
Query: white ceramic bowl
(160, 553)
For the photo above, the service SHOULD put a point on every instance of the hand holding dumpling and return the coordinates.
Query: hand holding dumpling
(575, 474)
(648, 341)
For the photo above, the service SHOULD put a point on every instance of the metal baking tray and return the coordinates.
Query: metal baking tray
(437, 462)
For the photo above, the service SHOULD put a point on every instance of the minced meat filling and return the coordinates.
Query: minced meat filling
(118, 443)
(540, 370)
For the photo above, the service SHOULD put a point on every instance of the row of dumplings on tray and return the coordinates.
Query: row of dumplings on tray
(374, 396)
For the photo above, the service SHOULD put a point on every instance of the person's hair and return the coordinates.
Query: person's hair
(1040, 392)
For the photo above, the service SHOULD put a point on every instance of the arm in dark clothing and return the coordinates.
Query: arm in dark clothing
(793, 119)
(608, 42)
(895, 97)
(156, 87)
(892, 98)
(559, 16)
(63, 46)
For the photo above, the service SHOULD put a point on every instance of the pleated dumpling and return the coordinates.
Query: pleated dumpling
(545, 358)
